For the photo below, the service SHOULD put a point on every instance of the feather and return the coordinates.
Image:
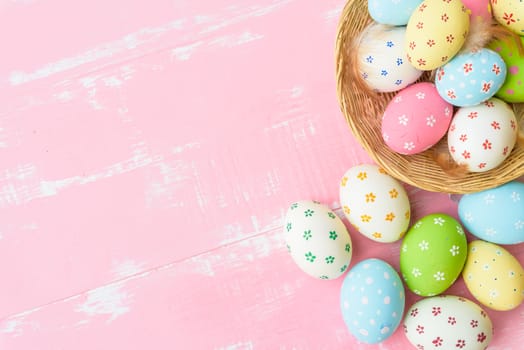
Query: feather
(482, 32)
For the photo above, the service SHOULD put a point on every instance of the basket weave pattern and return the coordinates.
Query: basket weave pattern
(363, 111)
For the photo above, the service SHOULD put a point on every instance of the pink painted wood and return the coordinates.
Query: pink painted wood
(148, 152)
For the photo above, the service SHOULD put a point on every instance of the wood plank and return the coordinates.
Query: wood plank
(147, 161)
(247, 295)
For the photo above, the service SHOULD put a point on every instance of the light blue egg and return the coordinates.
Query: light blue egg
(471, 78)
(392, 12)
(372, 301)
(495, 215)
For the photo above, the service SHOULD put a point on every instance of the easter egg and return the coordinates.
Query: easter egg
(375, 203)
(317, 240)
(471, 78)
(392, 12)
(480, 10)
(513, 88)
(372, 301)
(435, 33)
(432, 254)
(493, 276)
(510, 14)
(495, 215)
(415, 119)
(482, 136)
(381, 59)
(448, 322)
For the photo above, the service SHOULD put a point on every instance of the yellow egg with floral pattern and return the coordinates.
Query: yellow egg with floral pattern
(510, 14)
(436, 32)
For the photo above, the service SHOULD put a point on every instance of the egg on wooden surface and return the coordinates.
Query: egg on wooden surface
(448, 322)
(375, 203)
(392, 12)
(372, 301)
(317, 240)
(471, 78)
(432, 254)
(510, 14)
(495, 215)
(513, 88)
(381, 59)
(435, 32)
(493, 276)
(482, 136)
(415, 119)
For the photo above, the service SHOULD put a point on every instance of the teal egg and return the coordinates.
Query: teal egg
(495, 215)
(372, 301)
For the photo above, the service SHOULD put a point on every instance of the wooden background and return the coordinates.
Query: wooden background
(148, 153)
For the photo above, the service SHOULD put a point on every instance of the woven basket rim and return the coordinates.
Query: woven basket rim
(419, 170)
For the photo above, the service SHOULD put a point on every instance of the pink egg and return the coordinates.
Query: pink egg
(478, 8)
(416, 119)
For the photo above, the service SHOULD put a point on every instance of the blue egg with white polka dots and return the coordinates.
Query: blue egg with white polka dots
(495, 215)
(471, 78)
(372, 301)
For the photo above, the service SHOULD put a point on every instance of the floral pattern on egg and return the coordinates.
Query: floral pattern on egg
(432, 254)
(447, 322)
(381, 59)
(375, 203)
(317, 240)
(482, 136)
(510, 14)
(415, 119)
(471, 78)
(435, 33)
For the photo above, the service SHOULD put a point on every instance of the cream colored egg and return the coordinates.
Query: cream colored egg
(375, 203)
(481, 137)
(494, 276)
(448, 322)
(317, 240)
(435, 32)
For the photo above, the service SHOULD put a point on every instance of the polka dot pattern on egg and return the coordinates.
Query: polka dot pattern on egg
(372, 300)
(495, 215)
(494, 276)
(513, 88)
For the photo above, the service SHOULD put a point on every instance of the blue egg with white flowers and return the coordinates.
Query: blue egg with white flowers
(471, 78)
(372, 301)
(495, 215)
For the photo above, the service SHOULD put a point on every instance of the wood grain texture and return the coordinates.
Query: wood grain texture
(148, 152)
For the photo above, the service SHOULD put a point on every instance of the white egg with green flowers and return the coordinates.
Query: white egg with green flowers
(317, 240)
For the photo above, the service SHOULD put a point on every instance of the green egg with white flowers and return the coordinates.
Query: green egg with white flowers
(433, 254)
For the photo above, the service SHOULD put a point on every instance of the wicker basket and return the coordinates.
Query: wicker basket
(363, 111)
